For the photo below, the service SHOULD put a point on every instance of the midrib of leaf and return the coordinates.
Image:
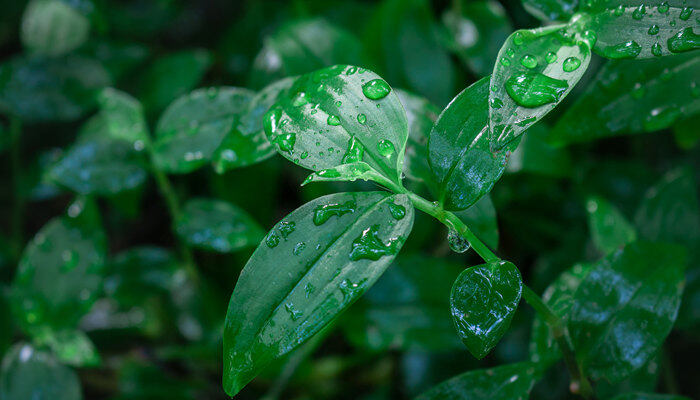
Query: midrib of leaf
(462, 153)
(314, 263)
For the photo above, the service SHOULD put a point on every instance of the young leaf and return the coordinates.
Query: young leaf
(476, 31)
(193, 127)
(53, 27)
(507, 382)
(40, 89)
(610, 229)
(60, 272)
(640, 30)
(407, 308)
(335, 248)
(71, 347)
(304, 46)
(625, 307)
(481, 219)
(217, 226)
(247, 143)
(463, 165)
(421, 116)
(123, 117)
(316, 127)
(631, 97)
(483, 301)
(559, 296)
(28, 373)
(649, 396)
(535, 70)
(101, 167)
(552, 10)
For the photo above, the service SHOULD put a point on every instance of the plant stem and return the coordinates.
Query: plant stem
(18, 199)
(579, 382)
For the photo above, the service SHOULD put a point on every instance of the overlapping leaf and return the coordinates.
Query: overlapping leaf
(610, 230)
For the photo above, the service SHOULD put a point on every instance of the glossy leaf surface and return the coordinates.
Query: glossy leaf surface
(610, 230)
(217, 225)
(553, 10)
(421, 116)
(483, 301)
(335, 248)
(317, 127)
(40, 89)
(53, 27)
(193, 127)
(631, 97)
(625, 307)
(507, 382)
(535, 70)
(28, 373)
(123, 117)
(463, 165)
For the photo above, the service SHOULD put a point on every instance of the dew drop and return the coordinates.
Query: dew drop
(333, 120)
(528, 61)
(299, 248)
(663, 7)
(457, 243)
(505, 62)
(684, 40)
(550, 57)
(397, 211)
(518, 38)
(385, 148)
(639, 12)
(535, 89)
(362, 118)
(368, 246)
(685, 13)
(272, 240)
(324, 212)
(653, 30)
(354, 152)
(376, 89)
(656, 50)
(571, 64)
(629, 49)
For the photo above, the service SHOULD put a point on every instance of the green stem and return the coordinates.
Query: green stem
(18, 199)
(579, 382)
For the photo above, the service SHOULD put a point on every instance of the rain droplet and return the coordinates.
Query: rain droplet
(518, 38)
(685, 13)
(368, 246)
(661, 117)
(663, 7)
(571, 64)
(550, 57)
(528, 61)
(323, 213)
(496, 103)
(457, 243)
(535, 89)
(272, 240)
(385, 148)
(333, 120)
(505, 62)
(376, 89)
(684, 40)
(300, 99)
(286, 228)
(653, 30)
(293, 313)
(629, 49)
(354, 152)
(397, 211)
(656, 50)
(299, 248)
(361, 118)
(639, 12)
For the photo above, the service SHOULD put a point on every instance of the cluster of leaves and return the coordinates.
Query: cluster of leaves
(128, 286)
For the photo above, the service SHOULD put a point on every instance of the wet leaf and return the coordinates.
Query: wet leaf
(101, 167)
(483, 301)
(625, 307)
(194, 126)
(28, 373)
(421, 116)
(304, 46)
(535, 70)
(476, 31)
(631, 97)
(123, 118)
(315, 126)
(507, 382)
(40, 89)
(610, 230)
(217, 225)
(53, 27)
(462, 163)
(552, 10)
(335, 248)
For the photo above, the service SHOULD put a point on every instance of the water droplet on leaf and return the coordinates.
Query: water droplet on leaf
(376, 89)
(535, 89)
(457, 243)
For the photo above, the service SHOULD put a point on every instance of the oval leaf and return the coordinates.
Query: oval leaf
(340, 115)
(334, 248)
(53, 27)
(217, 225)
(535, 70)
(123, 117)
(483, 301)
(610, 229)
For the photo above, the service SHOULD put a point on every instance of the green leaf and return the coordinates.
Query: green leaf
(123, 117)
(625, 307)
(171, 76)
(559, 296)
(610, 230)
(300, 47)
(50, 89)
(649, 396)
(535, 155)
(483, 300)
(53, 27)
(247, 143)
(28, 373)
(407, 308)
(101, 167)
(421, 116)
(71, 347)
(476, 31)
(401, 38)
(60, 271)
(630, 97)
(315, 127)
(552, 10)
(462, 163)
(535, 70)
(216, 225)
(637, 29)
(507, 382)
(481, 219)
(193, 127)
(6, 321)
(335, 248)
(686, 133)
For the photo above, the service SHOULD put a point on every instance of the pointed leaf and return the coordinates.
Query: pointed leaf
(53, 27)
(460, 158)
(610, 229)
(334, 248)
(217, 225)
(507, 382)
(535, 70)
(317, 127)
(483, 301)
(421, 116)
(625, 307)
(123, 117)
